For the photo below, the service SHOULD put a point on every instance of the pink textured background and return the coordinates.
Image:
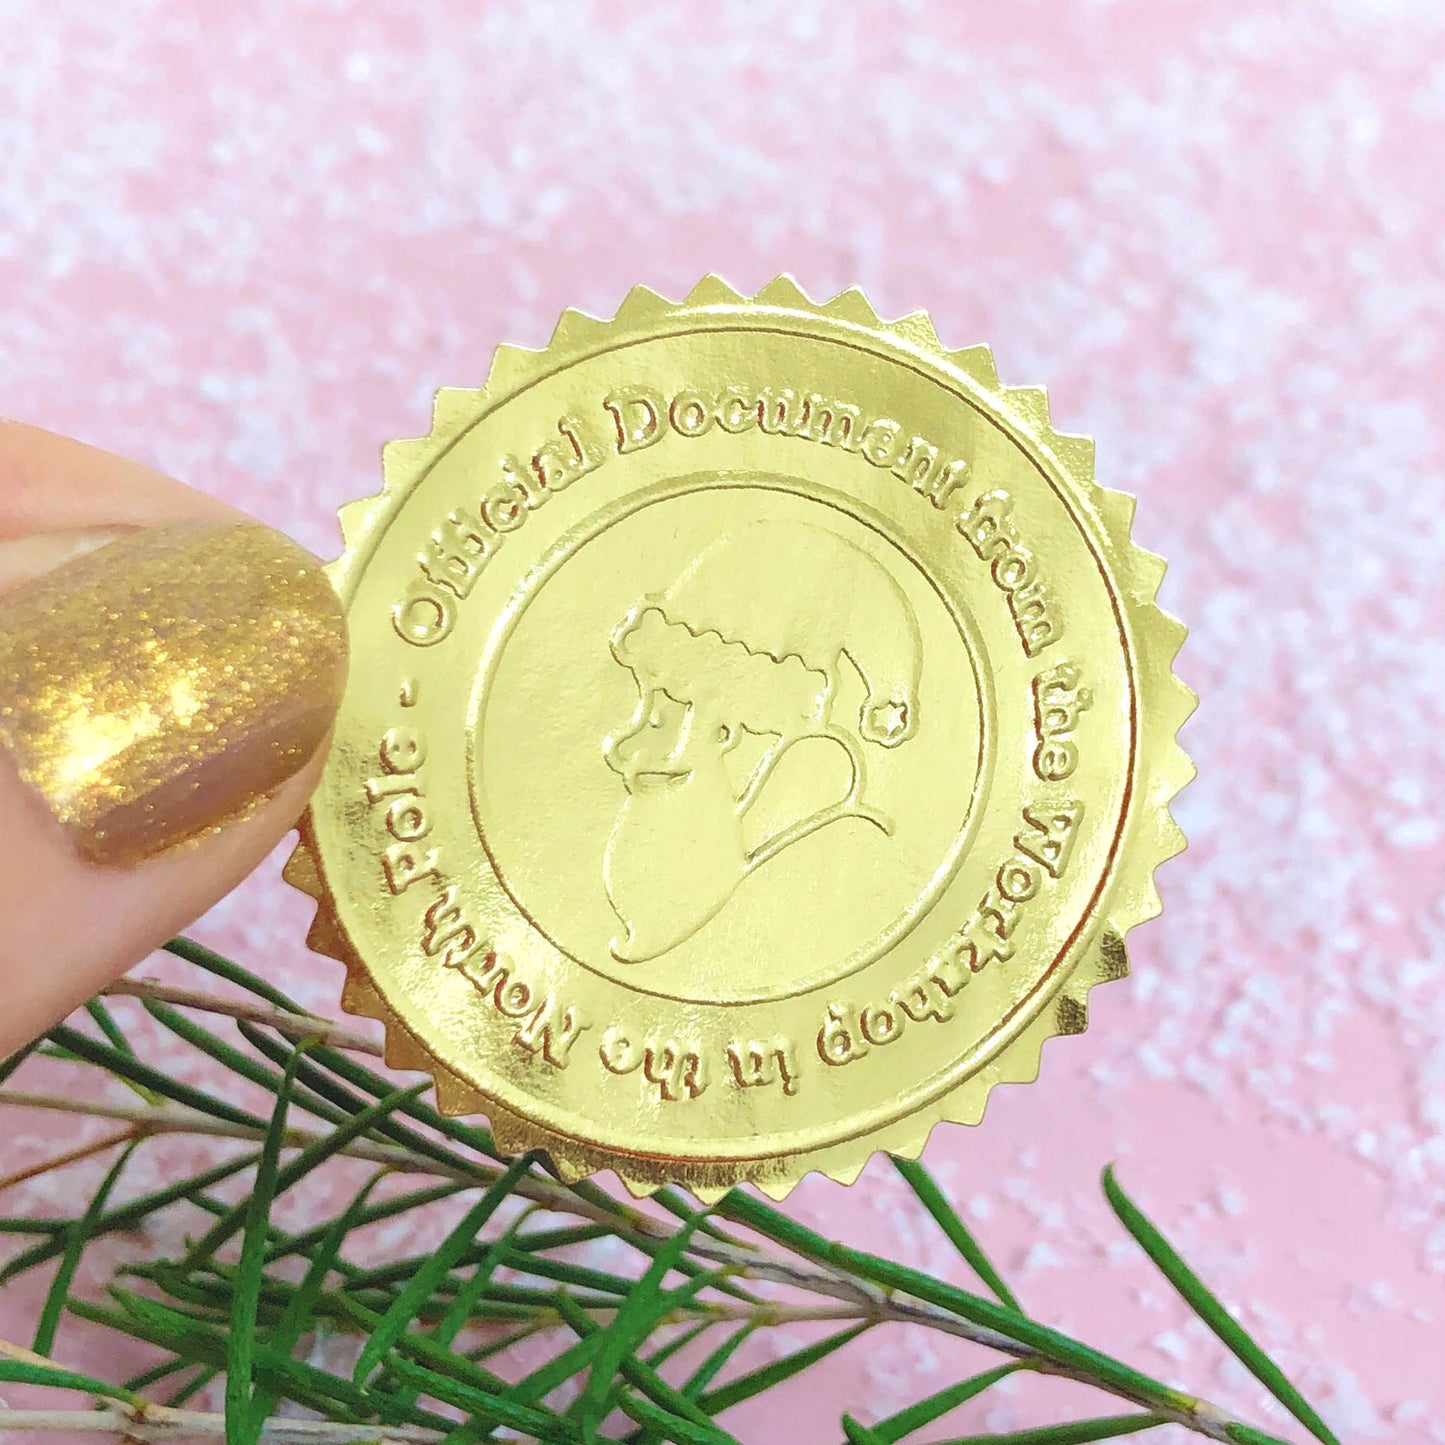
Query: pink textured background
(246, 242)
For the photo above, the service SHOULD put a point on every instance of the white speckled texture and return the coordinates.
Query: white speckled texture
(245, 243)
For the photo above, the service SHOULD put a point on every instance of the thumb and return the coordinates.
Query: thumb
(169, 674)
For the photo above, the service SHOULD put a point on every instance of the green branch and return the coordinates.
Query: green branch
(648, 1354)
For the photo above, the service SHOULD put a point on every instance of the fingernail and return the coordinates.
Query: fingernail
(168, 681)
(22, 558)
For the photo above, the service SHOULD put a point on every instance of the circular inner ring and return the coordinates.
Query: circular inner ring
(725, 762)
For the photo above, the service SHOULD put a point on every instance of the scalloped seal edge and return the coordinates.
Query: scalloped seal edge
(1151, 835)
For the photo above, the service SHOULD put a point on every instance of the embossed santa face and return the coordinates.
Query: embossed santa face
(676, 852)
(820, 669)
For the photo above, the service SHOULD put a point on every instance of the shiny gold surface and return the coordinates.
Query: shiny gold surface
(168, 682)
(760, 741)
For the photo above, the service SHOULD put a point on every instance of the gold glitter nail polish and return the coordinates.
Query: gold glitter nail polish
(168, 682)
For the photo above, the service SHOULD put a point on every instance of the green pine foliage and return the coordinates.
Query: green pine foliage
(649, 1350)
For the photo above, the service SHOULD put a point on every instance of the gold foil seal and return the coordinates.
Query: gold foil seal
(759, 741)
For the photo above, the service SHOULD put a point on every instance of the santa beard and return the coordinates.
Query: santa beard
(674, 859)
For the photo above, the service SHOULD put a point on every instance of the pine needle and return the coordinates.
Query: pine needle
(243, 1421)
(932, 1198)
(1208, 1308)
(423, 1284)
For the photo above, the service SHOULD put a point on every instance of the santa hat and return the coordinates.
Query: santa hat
(762, 620)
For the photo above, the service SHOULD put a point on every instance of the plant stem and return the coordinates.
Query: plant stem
(879, 1306)
(298, 1026)
(11, 1351)
(159, 1423)
(178, 1119)
(48, 1166)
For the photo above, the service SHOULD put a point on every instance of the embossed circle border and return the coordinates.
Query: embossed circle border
(555, 557)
